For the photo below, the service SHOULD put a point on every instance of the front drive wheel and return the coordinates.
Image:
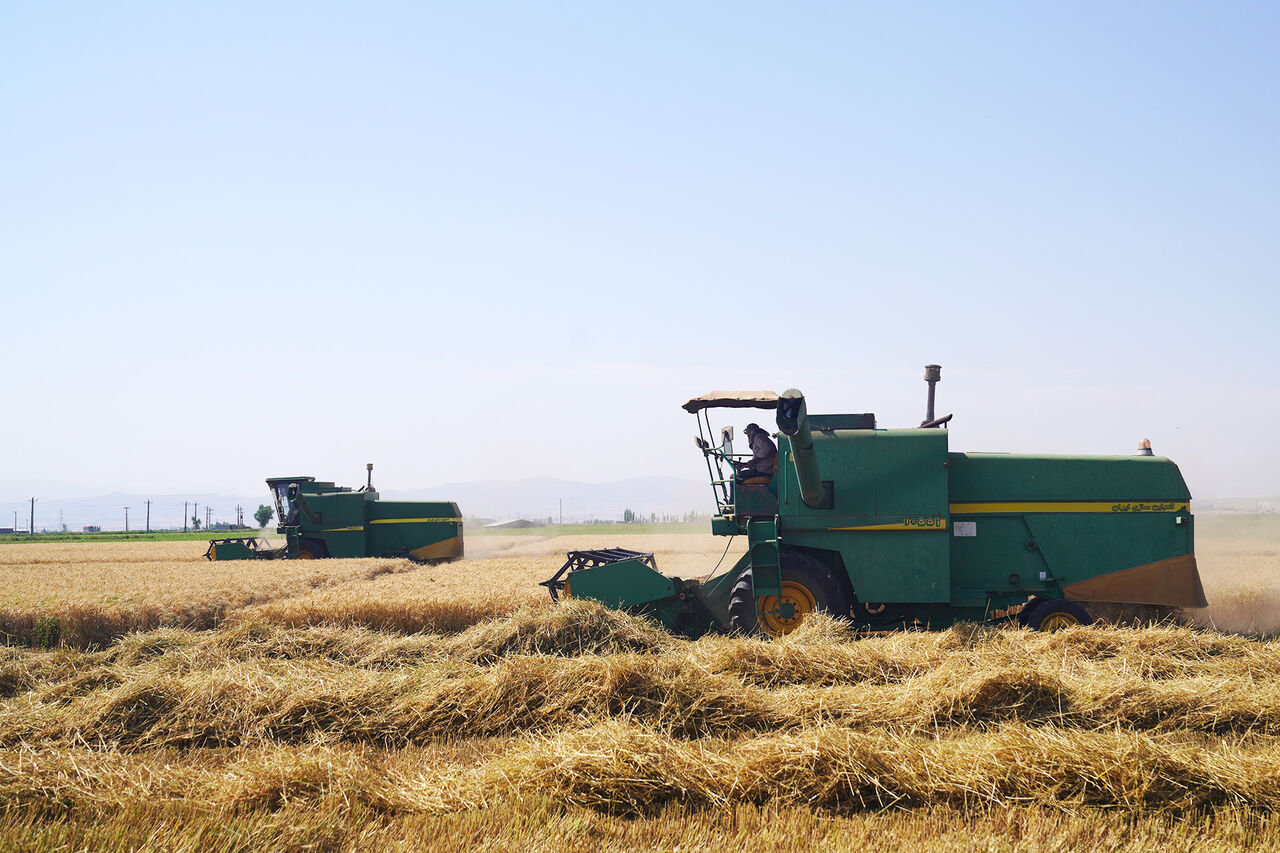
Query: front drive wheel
(807, 586)
(1055, 614)
(311, 549)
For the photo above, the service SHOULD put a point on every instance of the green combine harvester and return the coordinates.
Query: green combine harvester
(892, 529)
(320, 519)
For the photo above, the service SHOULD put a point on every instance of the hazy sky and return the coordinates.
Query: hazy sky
(488, 240)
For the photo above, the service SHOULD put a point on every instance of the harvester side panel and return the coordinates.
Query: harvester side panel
(849, 463)
(1084, 518)
(888, 565)
(1011, 477)
(996, 552)
(1117, 543)
(911, 472)
(424, 530)
(341, 523)
(1081, 545)
(889, 516)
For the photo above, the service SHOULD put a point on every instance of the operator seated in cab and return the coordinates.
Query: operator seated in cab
(763, 464)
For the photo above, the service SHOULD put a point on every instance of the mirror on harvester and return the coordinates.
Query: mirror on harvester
(726, 440)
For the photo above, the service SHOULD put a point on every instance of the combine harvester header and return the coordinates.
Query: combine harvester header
(892, 528)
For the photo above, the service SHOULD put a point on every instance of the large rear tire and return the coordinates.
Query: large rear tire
(1025, 613)
(1054, 614)
(311, 549)
(807, 586)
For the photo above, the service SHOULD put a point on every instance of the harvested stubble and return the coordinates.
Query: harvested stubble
(485, 729)
(439, 598)
(547, 669)
(83, 595)
(626, 768)
(454, 596)
(243, 779)
(543, 824)
(589, 708)
(290, 703)
(622, 767)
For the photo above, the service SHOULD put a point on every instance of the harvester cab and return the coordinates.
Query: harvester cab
(285, 491)
(738, 500)
(891, 528)
(733, 498)
(321, 519)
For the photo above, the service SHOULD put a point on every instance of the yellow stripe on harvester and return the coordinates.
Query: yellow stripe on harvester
(409, 520)
(343, 530)
(937, 522)
(930, 522)
(1068, 506)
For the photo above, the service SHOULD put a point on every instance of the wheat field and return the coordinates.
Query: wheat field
(152, 700)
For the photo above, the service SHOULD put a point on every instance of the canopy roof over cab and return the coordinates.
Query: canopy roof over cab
(732, 400)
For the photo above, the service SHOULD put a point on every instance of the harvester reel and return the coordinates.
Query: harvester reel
(807, 586)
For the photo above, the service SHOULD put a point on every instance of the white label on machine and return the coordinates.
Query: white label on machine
(966, 528)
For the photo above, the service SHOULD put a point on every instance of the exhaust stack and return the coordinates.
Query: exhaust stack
(932, 375)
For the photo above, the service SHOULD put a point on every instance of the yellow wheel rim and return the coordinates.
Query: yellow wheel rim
(306, 555)
(1056, 621)
(780, 614)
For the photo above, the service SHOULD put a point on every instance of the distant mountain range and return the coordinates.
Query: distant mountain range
(534, 498)
(537, 498)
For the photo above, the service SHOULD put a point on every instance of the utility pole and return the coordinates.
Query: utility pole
(33, 517)
(195, 514)
(148, 516)
(208, 516)
(185, 504)
(562, 510)
(126, 519)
